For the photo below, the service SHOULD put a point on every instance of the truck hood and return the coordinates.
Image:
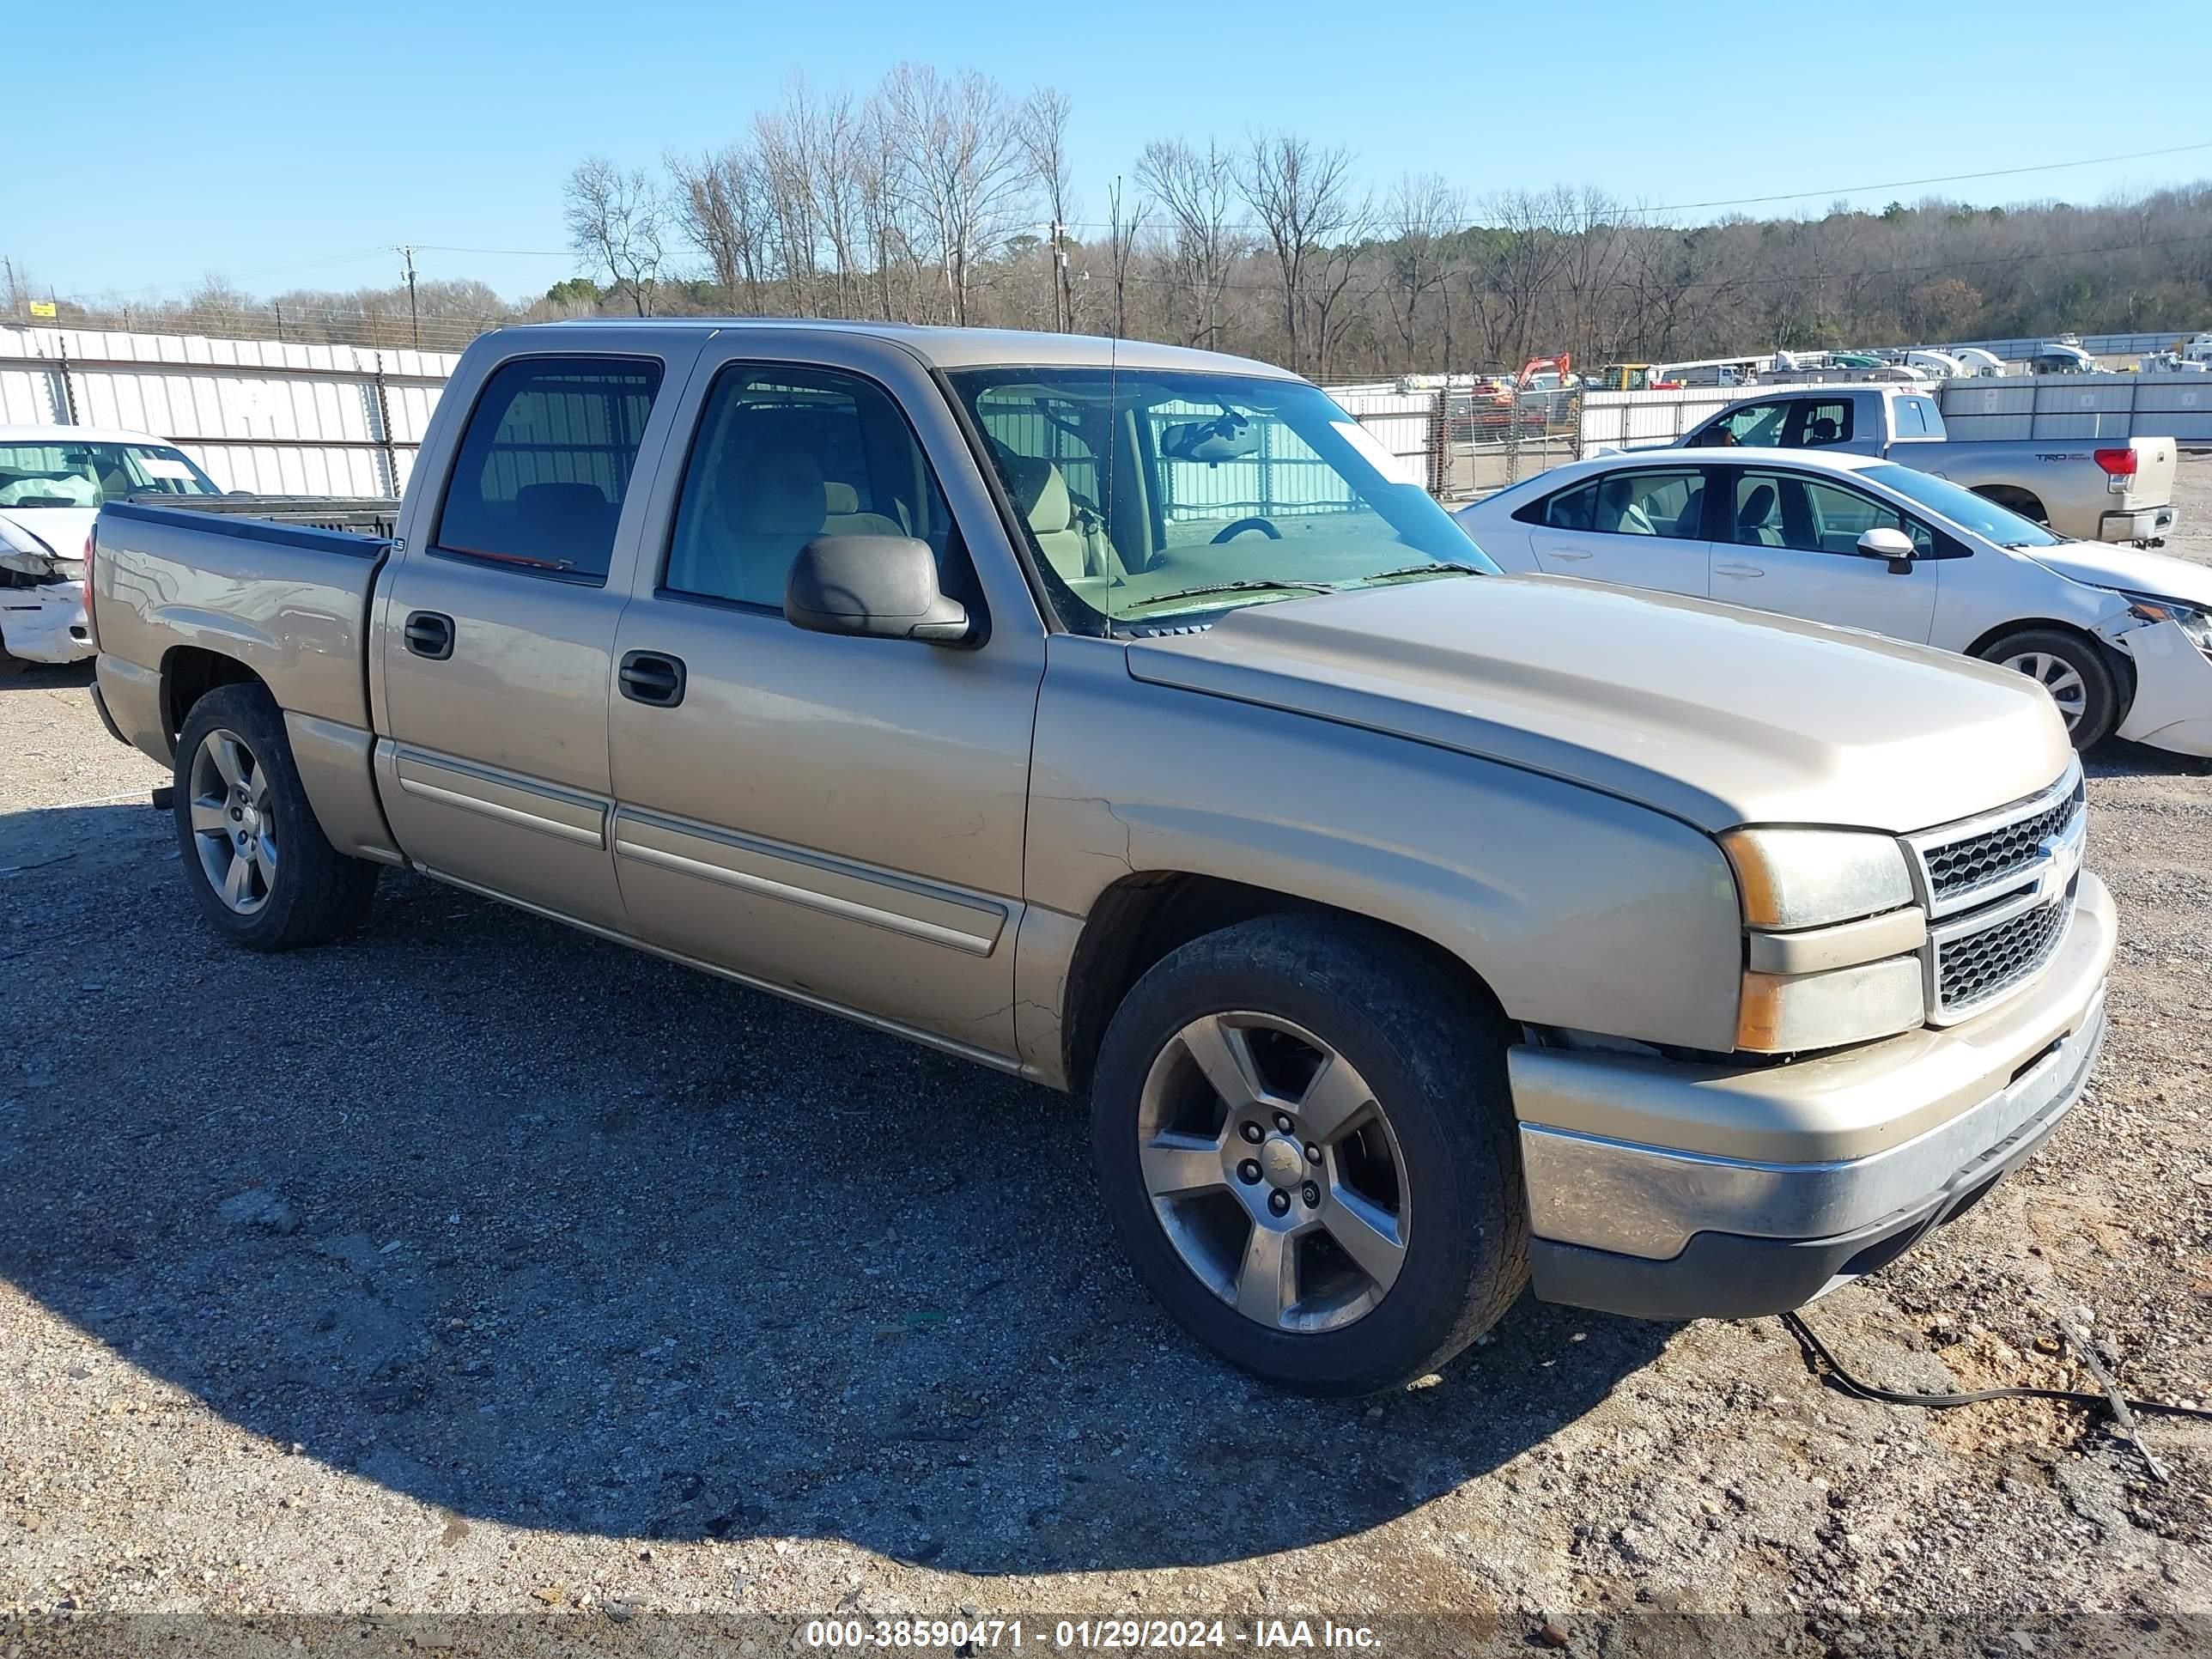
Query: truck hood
(2101, 565)
(1716, 716)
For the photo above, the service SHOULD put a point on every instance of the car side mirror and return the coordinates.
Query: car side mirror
(873, 587)
(1893, 545)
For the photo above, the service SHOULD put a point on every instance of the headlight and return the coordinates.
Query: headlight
(2194, 620)
(1808, 877)
(1807, 895)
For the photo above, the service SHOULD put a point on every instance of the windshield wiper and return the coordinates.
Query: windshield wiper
(1433, 567)
(1264, 584)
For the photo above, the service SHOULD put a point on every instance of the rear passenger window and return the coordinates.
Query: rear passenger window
(785, 454)
(1827, 423)
(1668, 504)
(545, 461)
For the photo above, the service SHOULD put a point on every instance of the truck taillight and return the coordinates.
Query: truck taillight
(91, 624)
(2119, 463)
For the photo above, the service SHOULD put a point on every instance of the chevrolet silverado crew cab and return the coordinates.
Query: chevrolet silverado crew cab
(2100, 490)
(1117, 715)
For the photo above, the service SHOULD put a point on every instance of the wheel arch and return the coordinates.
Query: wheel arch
(188, 672)
(2019, 499)
(1143, 917)
(2122, 665)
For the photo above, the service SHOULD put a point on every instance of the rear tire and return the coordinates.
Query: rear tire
(2074, 671)
(259, 866)
(1304, 1140)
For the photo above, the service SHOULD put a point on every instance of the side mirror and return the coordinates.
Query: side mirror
(1893, 545)
(873, 587)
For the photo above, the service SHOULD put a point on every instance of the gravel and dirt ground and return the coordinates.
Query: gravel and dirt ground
(475, 1284)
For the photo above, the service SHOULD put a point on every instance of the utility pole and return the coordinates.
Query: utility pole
(10, 266)
(414, 321)
(1063, 300)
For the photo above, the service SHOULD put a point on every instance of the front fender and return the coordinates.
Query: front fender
(1576, 908)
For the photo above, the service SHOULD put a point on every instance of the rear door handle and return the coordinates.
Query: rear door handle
(1739, 570)
(429, 633)
(1566, 555)
(652, 678)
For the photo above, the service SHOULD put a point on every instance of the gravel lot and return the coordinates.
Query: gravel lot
(477, 1267)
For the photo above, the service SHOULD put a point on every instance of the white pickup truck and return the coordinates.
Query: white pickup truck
(2100, 490)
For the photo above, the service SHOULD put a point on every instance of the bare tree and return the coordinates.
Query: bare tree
(618, 220)
(1331, 271)
(1196, 191)
(721, 204)
(1422, 210)
(960, 165)
(786, 141)
(1043, 134)
(1303, 197)
(1121, 233)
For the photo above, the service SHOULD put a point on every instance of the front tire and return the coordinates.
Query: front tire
(258, 862)
(1304, 1139)
(2073, 670)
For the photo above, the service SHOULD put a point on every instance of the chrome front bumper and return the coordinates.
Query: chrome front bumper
(1721, 1230)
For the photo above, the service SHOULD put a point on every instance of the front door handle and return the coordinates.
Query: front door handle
(1739, 570)
(652, 678)
(1567, 556)
(429, 633)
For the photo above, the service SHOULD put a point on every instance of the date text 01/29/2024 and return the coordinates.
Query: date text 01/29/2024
(974, 1635)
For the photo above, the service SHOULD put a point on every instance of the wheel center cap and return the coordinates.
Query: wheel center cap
(1283, 1161)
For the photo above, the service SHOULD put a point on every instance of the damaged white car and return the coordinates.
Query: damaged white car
(2121, 640)
(52, 480)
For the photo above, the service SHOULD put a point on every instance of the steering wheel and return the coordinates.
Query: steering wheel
(1231, 532)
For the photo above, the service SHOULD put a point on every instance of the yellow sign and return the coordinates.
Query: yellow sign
(42, 307)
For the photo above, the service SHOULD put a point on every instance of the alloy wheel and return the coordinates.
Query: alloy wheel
(1273, 1171)
(232, 828)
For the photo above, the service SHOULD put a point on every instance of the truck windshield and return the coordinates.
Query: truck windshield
(1147, 494)
(1962, 507)
(68, 473)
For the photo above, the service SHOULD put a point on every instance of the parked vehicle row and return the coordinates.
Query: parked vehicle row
(1114, 714)
(2121, 639)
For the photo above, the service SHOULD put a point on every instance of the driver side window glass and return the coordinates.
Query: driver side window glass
(1758, 427)
(784, 454)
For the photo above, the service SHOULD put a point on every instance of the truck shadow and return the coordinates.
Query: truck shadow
(539, 1230)
(16, 675)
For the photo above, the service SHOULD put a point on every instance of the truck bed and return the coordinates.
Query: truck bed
(290, 601)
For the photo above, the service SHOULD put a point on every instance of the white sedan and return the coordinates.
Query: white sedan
(52, 480)
(2121, 640)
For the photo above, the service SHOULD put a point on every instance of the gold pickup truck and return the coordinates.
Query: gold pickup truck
(1122, 717)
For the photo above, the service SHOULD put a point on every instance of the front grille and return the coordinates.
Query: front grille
(1976, 861)
(1977, 967)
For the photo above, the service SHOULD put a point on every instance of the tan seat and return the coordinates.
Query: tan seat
(766, 501)
(1075, 551)
(843, 516)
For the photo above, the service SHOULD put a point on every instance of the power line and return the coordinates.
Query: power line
(1247, 226)
(1945, 179)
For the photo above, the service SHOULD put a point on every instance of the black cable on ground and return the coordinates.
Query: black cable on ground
(1827, 1367)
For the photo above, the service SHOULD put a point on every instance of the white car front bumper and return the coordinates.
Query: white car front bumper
(2172, 706)
(45, 623)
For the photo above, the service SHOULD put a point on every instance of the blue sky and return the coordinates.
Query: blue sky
(288, 145)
